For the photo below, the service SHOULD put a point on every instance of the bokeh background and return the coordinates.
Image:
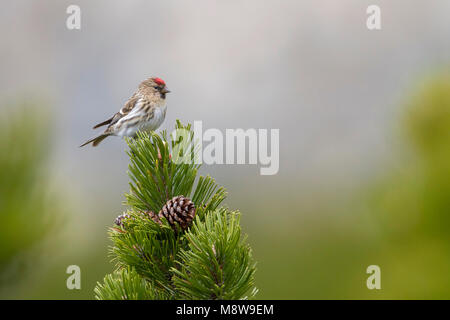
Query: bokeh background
(364, 119)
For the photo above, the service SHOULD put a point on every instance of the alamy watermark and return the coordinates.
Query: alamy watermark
(73, 21)
(374, 280)
(74, 280)
(234, 146)
(374, 19)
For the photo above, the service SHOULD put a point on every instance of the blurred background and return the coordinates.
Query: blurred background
(364, 119)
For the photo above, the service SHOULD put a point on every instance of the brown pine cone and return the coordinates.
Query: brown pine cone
(119, 220)
(179, 210)
(153, 216)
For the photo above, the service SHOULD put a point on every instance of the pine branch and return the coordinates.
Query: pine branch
(157, 256)
(146, 246)
(126, 284)
(157, 177)
(217, 263)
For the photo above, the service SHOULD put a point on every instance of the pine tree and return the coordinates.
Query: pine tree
(175, 241)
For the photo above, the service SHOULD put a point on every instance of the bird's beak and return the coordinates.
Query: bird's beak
(165, 90)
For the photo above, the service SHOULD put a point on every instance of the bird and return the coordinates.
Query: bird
(144, 111)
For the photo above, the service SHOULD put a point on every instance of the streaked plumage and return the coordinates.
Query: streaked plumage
(144, 111)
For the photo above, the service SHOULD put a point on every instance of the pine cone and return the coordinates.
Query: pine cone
(179, 210)
(119, 219)
(153, 216)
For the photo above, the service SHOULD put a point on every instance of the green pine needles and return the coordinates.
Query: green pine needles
(163, 248)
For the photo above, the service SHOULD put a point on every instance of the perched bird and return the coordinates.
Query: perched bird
(144, 111)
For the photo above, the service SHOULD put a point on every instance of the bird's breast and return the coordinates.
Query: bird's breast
(154, 122)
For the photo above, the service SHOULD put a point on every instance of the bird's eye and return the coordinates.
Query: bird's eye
(156, 87)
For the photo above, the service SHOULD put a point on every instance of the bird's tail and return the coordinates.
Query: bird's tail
(104, 123)
(95, 141)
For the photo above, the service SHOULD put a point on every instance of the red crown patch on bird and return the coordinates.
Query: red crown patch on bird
(160, 81)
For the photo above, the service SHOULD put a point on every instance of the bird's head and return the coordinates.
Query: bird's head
(154, 86)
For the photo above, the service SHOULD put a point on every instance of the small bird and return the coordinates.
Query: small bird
(145, 111)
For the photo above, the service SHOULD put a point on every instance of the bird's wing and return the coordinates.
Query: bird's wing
(131, 115)
(126, 109)
(129, 105)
